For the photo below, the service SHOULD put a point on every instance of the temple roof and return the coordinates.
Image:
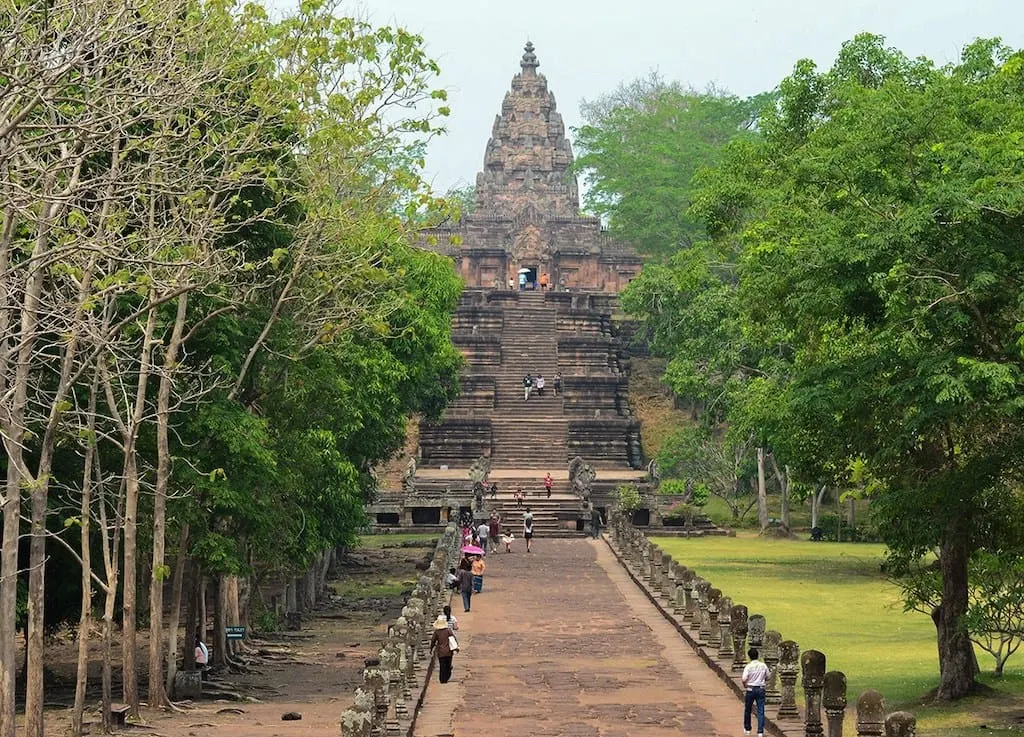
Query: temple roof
(527, 161)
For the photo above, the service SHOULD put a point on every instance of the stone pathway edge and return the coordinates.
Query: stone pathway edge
(771, 725)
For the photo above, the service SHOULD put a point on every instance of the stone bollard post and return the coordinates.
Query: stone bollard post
(834, 701)
(656, 560)
(357, 720)
(375, 683)
(704, 629)
(739, 638)
(812, 665)
(772, 694)
(679, 599)
(900, 724)
(648, 558)
(725, 629)
(671, 570)
(870, 714)
(789, 660)
(690, 613)
(715, 638)
(755, 632)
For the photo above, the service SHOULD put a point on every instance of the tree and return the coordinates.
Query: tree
(640, 147)
(879, 218)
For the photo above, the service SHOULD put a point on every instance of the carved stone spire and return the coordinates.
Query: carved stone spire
(529, 62)
(526, 165)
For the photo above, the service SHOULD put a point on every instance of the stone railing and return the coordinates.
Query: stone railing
(721, 630)
(394, 682)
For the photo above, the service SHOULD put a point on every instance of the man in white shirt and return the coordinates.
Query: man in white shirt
(483, 532)
(754, 678)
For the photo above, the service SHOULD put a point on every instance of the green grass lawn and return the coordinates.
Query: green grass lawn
(833, 597)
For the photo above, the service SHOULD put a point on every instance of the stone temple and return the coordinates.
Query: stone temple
(527, 213)
(540, 297)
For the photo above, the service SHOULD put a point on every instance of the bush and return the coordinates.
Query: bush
(832, 524)
(700, 492)
(628, 498)
(680, 512)
(672, 486)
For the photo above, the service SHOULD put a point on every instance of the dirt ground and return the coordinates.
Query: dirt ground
(313, 672)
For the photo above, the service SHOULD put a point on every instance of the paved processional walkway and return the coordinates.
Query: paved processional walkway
(562, 642)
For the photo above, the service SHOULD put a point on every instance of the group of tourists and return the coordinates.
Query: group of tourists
(539, 383)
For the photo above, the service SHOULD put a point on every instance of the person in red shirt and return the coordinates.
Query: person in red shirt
(547, 484)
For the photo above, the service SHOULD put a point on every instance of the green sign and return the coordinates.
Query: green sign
(235, 633)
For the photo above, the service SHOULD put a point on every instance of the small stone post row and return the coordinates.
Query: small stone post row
(380, 705)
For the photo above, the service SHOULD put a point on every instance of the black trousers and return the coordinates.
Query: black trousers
(444, 671)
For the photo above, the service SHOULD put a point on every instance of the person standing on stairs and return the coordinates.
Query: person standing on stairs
(527, 386)
(540, 385)
(511, 284)
(528, 528)
(558, 383)
(547, 484)
(522, 281)
(494, 530)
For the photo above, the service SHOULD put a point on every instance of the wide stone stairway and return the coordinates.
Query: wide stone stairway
(505, 335)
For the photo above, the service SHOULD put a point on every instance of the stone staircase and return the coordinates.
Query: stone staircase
(505, 335)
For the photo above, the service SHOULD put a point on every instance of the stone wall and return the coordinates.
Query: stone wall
(395, 681)
(721, 630)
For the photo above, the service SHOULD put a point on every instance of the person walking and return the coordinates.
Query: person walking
(483, 532)
(528, 528)
(519, 496)
(558, 383)
(547, 484)
(754, 678)
(540, 385)
(522, 281)
(527, 386)
(494, 530)
(511, 284)
(494, 490)
(466, 586)
(596, 522)
(508, 538)
(453, 623)
(478, 574)
(441, 641)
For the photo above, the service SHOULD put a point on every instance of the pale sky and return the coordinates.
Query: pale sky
(586, 47)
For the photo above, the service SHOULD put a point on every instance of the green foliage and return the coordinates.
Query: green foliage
(640, 147)
(672, 486)
(697, 493)
(680, 512)
(628, 498)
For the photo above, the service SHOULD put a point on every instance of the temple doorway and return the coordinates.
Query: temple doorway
(527, 277)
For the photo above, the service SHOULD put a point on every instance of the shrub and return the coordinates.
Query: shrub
(628, 498)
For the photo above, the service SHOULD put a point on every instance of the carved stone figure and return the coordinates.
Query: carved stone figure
(581, 478)
(789, 660)
(408, 478)
(480, 469)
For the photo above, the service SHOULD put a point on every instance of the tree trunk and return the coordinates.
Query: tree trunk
(132, 483)
(157, 694)
(956, 653)
(816, 504)
(233, 617)
(762, 493)
(220, 622)
(9, 590)
(174, 617)
(85, 618)
(192, 627)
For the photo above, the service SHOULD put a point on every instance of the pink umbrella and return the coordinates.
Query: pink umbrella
(473, 550)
